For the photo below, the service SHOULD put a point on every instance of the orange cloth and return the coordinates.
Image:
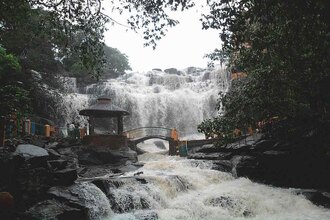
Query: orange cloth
(174, 134)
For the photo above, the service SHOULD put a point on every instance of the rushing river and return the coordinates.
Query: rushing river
(178, 188)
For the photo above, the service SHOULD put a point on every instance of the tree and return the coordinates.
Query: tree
(283, 47)
(115, 64)
(54, 23)
(13, 97)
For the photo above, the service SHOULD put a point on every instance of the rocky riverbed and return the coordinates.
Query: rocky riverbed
(41, 178)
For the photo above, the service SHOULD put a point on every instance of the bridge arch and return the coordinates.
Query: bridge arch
(138, 135)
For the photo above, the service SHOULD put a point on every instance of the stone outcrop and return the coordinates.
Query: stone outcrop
(173, 71)
(39, 179)
(302, 163)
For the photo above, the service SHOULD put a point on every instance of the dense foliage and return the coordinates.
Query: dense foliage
(13, 97)
(283, 47)
(38, 36)
(115, 64)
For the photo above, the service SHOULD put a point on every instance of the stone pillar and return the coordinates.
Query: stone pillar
(172, 147)
(91, 124)
(120, 125)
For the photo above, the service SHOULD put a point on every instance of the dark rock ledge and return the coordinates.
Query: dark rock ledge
(38, 176)
(302, 164)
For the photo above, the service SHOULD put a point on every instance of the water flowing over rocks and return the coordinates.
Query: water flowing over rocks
(301, 164)
(156, 98)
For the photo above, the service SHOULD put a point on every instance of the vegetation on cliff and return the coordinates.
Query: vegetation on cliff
(283, 47)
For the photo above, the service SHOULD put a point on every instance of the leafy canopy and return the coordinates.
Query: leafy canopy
(283, 47)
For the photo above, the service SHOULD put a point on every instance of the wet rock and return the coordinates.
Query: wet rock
(245, 166)
(207, 148)
(65, 194)
(64, 177)
(145, 215)
(274, 153)
(141, 180)
(29, 151)
(263, 145)
(7, 169)
(53, 209)
(222, 165)
(84, 196)
(221, 201)
(51, 145)
(138, 173)
(130, 203)
(30, 185)
(53, 154)
(316, 196)
(173, 71)
(102, 155)
(210, 156)
(238, 147)
(104, 185)
(234, 206)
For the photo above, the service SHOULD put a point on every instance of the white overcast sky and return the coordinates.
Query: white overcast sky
(183, 46)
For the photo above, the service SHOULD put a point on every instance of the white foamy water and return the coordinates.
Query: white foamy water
(94, 199)
(156, 98)
(179, 188)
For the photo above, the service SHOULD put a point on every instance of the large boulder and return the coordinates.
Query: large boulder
(29, 151)
(244, 166)
(96, 155)
(223, 165)
(316, 196)
(54, 209)
(173, 71)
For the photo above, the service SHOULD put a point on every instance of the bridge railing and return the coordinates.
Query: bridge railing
(148, 131)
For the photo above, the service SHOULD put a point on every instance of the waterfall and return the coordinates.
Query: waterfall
(94, 199)
(181, 99)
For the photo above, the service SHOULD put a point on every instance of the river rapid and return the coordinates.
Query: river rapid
(179, 188)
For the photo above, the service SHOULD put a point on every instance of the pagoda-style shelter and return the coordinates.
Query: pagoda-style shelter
(104, 109)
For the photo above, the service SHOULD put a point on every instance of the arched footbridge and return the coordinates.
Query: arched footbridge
(138, 135)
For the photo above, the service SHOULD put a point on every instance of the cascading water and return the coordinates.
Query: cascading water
(179, 100)
(177, 188)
